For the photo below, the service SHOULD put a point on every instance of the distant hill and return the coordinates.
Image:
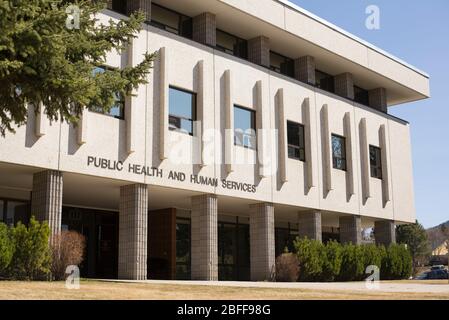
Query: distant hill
(436, 235)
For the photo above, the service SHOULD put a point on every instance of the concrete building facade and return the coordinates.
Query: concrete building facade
(260, 123)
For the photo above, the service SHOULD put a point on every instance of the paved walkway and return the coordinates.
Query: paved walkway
(424, 287)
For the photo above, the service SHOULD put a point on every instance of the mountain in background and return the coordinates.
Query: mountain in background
(436, 235)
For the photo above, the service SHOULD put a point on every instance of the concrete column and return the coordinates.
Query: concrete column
(384, 232)
(310, 225)
(262, 247)
(46, 198)
(344, 85)
(205, 29)
(133, 217)
(139, 5)
(259, 51)
(204, 226)
(378, 99)
(351, 229)
(109, 4)
(305, 69)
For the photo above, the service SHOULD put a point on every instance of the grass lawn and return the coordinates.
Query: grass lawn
(116, 290)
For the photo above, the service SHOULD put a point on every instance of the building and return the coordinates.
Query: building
(260, 123)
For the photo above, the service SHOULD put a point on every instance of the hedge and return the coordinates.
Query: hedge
(347, 262)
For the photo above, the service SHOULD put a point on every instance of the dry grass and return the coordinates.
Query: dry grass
(10, 290)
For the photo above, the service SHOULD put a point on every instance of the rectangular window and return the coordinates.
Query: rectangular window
(282, 64)
(324, 81)
(296, 144)
(182, 110)
(118, 108)
(171, 21)
(339, 152)
(361, 96)
(119, 6)
(245, 128)
(231, 44)
(375, 155)
(2, 209)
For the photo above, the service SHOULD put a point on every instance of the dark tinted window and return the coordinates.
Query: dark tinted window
(282, 64)
(171, 21)
(375, 154)
(324, 81)
(361, 95)
(339, 152)
(182, 110)
(295, 137)
(231, 44)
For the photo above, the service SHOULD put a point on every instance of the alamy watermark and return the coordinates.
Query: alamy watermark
(372, 22)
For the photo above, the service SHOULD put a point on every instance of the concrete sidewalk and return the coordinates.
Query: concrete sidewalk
(384, 286)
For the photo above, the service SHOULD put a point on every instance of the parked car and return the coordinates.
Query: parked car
(437, 274)
(437, 267)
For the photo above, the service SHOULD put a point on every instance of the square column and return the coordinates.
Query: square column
(351, 229)
(46, 198)
(344, 85)
(305, 70)
(378, 99)
(133, 217)
(139, 5)
(259, 51)
(262, 247)
(204, 226)
(310, 226)
(205, 29)
(384, 232)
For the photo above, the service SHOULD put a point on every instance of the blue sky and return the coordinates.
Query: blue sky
(417, 32)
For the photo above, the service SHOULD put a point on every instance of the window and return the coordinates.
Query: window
(118, 108)
(12, 212)
(119, 6)
(339, 152)
(324, 81)
(171, 21)
(231, 44)
(182, 110)
(375, 162)
(245, 127)
(361, 95)
(295, 138)
(282, 64)
(182, 249)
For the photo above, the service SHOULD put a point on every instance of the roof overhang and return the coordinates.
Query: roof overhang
(296, 32)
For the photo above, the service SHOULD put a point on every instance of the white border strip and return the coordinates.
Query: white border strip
(349, 35)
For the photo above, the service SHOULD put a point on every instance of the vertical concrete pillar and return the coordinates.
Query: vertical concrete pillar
(384, 232)
(259, 51)
(262, 246)
(310, 225)
(344, 85)
(204, 224)
(305, 69)
(46, 198)
(205, 29)
(109, 4)
(378, 99)
(139, 5)
(351, 229)
(133, 217)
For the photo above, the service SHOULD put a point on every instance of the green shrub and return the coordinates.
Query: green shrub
(352, 264)
(31, 259)
(407, 262)
(372, 256)
(310, 255)
(6, 250)
(332, 261)
(392, 263)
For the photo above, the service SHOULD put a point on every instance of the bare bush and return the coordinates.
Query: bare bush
(67, 249)
(287, 268)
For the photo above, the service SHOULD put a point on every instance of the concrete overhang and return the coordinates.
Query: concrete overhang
(295, 32)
